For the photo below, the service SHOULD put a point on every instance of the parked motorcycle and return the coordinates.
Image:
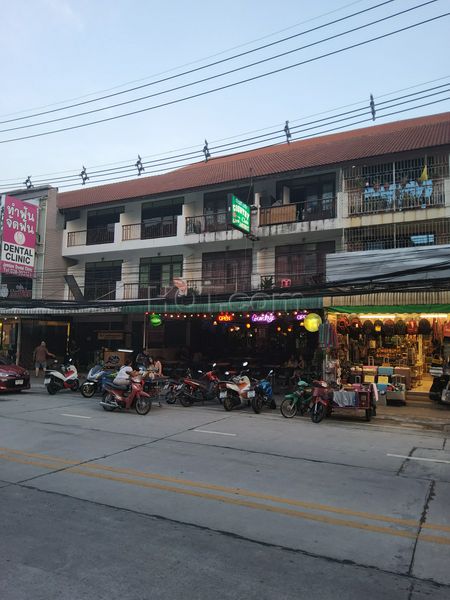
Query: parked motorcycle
(64, 378)
(238, 391)
(297, 401)
(263, 394)
(96, 379)
(198, 390)
(321, 402)
(117, 396)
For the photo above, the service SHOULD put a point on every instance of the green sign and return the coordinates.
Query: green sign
(155, 320)
(239, 214)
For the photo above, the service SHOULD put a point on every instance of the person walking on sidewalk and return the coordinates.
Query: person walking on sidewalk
(40, 356)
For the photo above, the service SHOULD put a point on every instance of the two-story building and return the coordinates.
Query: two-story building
(164, 244)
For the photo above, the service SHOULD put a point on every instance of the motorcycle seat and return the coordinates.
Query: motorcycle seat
(116, 386)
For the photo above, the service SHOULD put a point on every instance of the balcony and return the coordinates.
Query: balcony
(219, 285)
(396, 198)
(100, 291)
(156, 228)
(90, 237)
(298, 212)
(145, 291)
(291, 280)
(210, 223)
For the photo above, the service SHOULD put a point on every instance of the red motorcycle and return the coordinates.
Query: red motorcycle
(198, 390)
(119, 397)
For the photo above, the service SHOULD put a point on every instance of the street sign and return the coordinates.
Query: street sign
(239, 214)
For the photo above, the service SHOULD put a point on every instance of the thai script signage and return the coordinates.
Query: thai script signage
(239, 214)
(267, 317)
(19, 238)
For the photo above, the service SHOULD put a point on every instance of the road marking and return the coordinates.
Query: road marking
(436, 460)
(75, 416)
(83, 470)
(215, 432)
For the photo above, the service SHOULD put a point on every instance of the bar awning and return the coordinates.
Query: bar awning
(390, 309)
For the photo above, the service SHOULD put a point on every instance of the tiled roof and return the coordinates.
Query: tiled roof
(377, 140)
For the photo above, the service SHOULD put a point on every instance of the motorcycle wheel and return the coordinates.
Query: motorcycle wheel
(142, 405)
(318, 412)
(257, 403)
(88, 389)
(52, 388)
(185, 400)
(108, 398)
(171, 397)
(228, 403)
(288, 408)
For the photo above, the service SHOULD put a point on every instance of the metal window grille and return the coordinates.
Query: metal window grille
(398, 235)
(409, 183)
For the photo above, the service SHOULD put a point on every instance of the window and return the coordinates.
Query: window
(227, 272)
(302, 264)
(156, 274)
(101, 279)
(314, 196)
(100, 225)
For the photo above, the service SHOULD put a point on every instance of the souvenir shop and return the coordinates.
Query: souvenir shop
(390, 346)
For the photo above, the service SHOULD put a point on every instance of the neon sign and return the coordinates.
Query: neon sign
(301, 316)
(225, 318)
(268, 317)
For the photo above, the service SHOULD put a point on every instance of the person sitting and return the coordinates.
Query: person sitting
(123, 377)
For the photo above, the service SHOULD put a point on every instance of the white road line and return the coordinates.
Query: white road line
(216, 432)
(75, 416)
(436, 460)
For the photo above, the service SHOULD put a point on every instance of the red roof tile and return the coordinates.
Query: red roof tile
(377, 140)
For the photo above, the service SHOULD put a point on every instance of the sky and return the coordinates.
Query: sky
(55, 51)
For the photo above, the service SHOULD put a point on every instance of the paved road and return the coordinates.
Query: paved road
(202, 503)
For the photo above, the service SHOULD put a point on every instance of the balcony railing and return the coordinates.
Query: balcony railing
(144, 291)
(395, 198)
(288, 280)
(298, 212)
(210, 223)
(100, 291)
(89, 237)
(157, 228)
(220, 285)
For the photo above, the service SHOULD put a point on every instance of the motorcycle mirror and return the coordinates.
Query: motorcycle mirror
(199, 371)
(227, 372)
(244, 364)
(270, 373)
(214, 365)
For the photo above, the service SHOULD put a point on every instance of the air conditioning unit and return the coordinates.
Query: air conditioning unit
(285, 283)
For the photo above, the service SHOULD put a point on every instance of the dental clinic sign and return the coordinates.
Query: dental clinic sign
(18, 238)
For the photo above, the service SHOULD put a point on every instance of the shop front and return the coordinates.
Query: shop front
(391, 346)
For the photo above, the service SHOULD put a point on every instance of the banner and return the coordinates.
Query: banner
(19, 238)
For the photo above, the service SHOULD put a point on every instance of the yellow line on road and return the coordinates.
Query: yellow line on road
(56, 462)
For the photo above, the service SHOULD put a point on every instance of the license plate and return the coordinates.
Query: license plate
(46, 381)
(19, 381)
(223, 394)
(251, 394)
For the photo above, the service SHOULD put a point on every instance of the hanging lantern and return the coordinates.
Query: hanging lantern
(155, 320)
(312, 322)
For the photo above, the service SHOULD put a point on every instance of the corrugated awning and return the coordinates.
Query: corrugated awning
(385, 309)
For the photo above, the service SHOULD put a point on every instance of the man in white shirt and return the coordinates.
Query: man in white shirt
(124, 375)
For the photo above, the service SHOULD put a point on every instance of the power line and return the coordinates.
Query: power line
(158, 166)
(213, 77)
(230, 85)
(189, 72)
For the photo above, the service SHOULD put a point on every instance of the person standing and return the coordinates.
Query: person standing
(40, 356)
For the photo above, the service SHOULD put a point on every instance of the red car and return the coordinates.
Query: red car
(13, 377)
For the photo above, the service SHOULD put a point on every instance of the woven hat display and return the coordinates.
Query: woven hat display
(378, 326)
(400, 327)
(355, 327)
(389, 327)
(342, 325)
(424, 327)
(368, 326)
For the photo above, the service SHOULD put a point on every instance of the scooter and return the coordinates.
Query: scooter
(298, 401)
(118, 396)
(96, 379)
(238, 392)
(64, 378)
(263, 394)
(198, 390)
